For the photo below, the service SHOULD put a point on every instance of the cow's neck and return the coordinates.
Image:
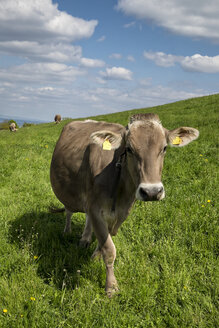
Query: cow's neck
(115, 187)
(125, 191)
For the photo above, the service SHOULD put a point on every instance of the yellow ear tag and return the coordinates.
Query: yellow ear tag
(177, 141)
(107, 145)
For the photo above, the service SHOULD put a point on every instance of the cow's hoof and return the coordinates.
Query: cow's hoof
(111, 291)
(83, 243)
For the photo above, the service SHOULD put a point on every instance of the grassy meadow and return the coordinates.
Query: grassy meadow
(167, 251)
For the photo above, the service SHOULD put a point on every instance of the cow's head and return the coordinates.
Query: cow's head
(145, 144)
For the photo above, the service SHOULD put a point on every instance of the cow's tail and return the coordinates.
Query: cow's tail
(54, 209)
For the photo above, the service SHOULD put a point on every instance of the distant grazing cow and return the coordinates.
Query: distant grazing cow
(57, 118)
(101, 168)
(12, 127)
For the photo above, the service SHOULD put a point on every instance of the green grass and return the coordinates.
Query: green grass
(167, 251)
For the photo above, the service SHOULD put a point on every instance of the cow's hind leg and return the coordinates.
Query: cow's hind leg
(87, 233)
(67, 229)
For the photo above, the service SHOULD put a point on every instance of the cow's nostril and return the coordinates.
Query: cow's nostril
(160, 190)
(143, 192)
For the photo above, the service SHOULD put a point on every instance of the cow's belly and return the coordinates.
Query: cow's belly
(70, 192)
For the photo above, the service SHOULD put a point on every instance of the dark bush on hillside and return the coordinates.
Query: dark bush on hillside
(25, 125)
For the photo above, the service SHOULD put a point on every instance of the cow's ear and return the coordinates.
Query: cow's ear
(106, 139)
(182, 136)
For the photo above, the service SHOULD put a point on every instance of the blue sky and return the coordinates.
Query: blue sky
(82, 58)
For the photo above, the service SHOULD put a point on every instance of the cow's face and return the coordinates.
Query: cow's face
(146, 145)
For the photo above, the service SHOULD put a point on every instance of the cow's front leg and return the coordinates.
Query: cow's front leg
(109, 256)
(87, 233)
(108, 251)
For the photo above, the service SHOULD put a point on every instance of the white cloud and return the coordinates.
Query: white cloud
(142, 95)
(59, 53)
(40, 73)
(101, 39)
(128, 25)
(38, 32)
(46, 89)
(117, 73)
(195, 63)
(24, 20)
(191, 18)
(35, 51)
(198, 63)
(161, 94)
(115, 56)
(130, 58)
(88, 62)
(162, 59)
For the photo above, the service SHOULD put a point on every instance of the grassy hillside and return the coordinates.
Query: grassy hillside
(167, 251)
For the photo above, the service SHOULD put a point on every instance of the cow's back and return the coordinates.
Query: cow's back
(76, 162)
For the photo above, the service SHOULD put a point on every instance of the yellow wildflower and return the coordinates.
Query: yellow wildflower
(208, 201)
(35, 257)
(5, 310)
(203, 205)
(46, 146)
(200, 155)
(32, 298)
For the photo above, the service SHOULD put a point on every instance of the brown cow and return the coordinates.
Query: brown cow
(12, 127)
(57, 118)
(100, 169)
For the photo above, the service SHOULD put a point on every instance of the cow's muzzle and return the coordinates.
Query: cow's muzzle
(150, 191)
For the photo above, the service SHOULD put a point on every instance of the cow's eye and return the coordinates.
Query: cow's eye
(164, 149)
(128, 149)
